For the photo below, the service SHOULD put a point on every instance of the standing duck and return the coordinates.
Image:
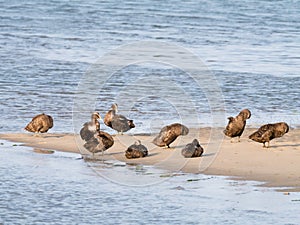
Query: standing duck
(236, 126)
(268, 132)
(117, 122)
(90, 128)
(110, 114)
(169, 133)
(40, 124)
(100, 142)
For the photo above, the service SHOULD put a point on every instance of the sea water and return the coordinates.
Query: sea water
(47, 48)
(61, 188)
(251, 49)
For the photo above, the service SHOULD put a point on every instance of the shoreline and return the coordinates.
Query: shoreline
(277, 167)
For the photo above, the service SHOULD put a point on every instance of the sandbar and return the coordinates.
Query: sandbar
(277, 166)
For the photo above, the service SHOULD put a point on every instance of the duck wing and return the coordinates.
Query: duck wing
(40, 123)
(86, 132)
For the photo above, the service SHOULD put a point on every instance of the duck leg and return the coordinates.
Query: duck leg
(166, 146)
(37, 134)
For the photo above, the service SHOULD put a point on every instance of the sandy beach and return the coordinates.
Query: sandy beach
(277, 166)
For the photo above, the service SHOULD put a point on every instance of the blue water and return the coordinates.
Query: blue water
(47, 48)
(61, 188)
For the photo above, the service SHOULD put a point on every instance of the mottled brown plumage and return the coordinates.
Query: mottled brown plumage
(193, 149)
(236, 126)
(117, 122)
(40, 124)
(137, 150)
(100, 142)
(268, 132)
(169, 133)
(121, 124)
(110, 114)
(90, 128)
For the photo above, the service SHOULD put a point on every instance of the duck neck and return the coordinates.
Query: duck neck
(113, 112)
(94, 119)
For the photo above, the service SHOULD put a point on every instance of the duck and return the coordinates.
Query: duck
(110, 114)
(122, 124)
(169, 133)
(236, 125)
(90, 128)
(268, 132)
(40, 123)
(116, 121)
(137, 150)
(100, 142)
(193, 149)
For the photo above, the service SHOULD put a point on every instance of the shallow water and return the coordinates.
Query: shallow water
(61, 188)
(252, 49)
(46, 49)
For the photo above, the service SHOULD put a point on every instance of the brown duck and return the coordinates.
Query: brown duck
(110, 114)
(193, 149)
(236, 125)
(90, 128)
(116, 121)
(268, 132)
(137, 150)
(40, 124)
(100, 142)
(169, 133)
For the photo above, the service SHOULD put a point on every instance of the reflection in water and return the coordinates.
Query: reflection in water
(43, 151)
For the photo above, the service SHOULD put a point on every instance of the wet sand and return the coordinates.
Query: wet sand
(277, 166)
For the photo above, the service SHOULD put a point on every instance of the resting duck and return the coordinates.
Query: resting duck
(193, 149)
(137, 150)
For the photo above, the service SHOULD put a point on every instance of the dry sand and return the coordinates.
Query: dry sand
(277, 166)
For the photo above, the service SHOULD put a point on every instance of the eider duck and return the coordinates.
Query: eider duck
(90, 128)
(118, 122)
(40, 124)
(268, 132)
(236, 126)
(169, 133)
(193, 149)
(110, 114)
(137, 150)
(121, 124)
(100, 142)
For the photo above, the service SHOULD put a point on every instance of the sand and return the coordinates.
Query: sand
(277, 166)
